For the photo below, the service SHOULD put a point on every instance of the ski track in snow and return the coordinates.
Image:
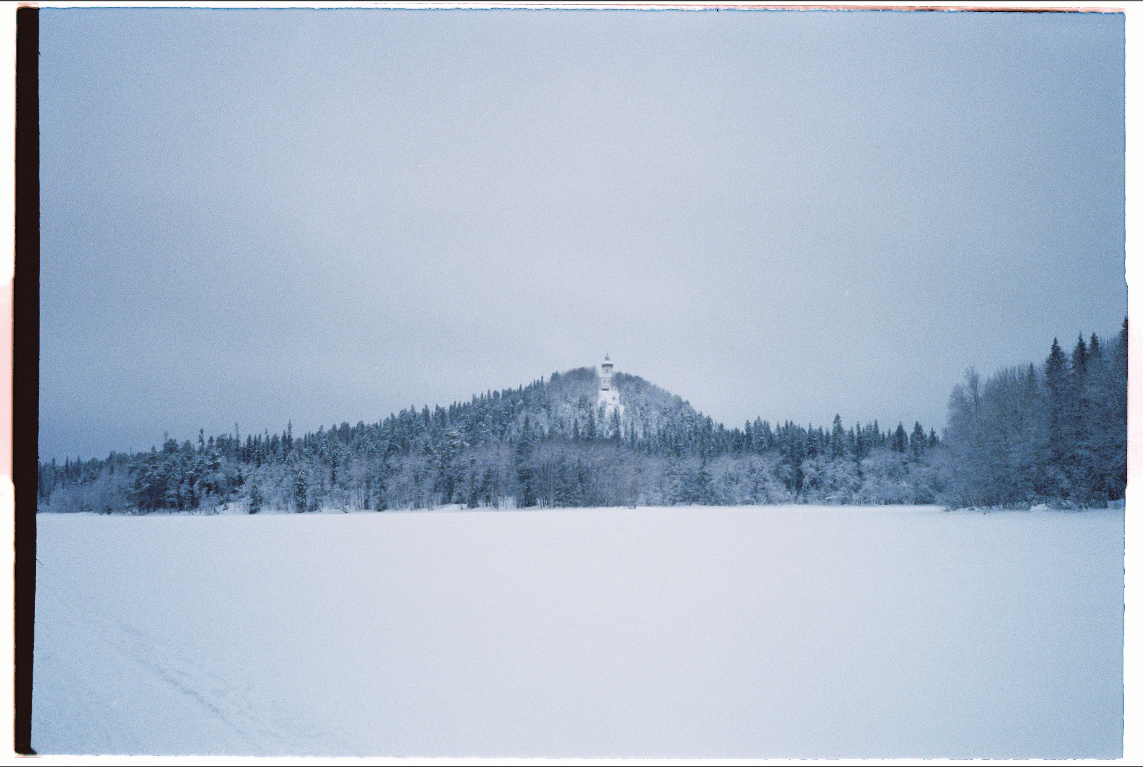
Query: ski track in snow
(258, 723)
(232, 716)
(687, 632)
(261, 726)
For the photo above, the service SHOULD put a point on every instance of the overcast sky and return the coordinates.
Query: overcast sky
(255, 216)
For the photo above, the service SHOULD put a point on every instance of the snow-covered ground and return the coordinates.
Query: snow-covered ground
(683, 632)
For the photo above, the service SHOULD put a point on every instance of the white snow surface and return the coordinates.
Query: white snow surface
(779, 631)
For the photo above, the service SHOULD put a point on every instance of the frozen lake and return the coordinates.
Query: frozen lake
(785, 631)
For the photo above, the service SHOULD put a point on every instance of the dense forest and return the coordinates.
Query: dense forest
(1054, 434)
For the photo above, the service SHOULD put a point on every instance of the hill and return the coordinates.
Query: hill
(1052, 434)
(549, 443)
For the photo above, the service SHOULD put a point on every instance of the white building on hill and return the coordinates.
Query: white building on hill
(608, 394)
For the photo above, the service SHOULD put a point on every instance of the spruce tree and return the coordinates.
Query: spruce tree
(837, 438)
(450, 471)
(917, 441)
(900, 439)
(1117, 414)
(522, 458)
(255, 498)
(1078, 457)
(301, 491)
(1056, 385)
(1095, 435)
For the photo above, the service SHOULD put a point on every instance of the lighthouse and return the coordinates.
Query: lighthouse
(608, 394)
(605, 375)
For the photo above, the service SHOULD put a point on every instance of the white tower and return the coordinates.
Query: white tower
(608, 394)
(605, 376)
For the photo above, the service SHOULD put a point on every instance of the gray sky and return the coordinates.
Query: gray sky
(327, 216)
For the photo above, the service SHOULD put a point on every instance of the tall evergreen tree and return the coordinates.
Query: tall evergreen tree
(918, 442)
(1116, 414)
(1058, 445)
(522, 458)
(256, 498)
(1078, 458)
(450, 470)
(837, 438)
(301, 491)
(900, 439)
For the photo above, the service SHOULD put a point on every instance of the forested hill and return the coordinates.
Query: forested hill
(547, 443)
(1054, 433)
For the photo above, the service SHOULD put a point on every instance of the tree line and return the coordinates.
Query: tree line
(1055, 430)
(1054, 433)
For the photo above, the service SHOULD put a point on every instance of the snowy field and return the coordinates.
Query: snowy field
(683, 632)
